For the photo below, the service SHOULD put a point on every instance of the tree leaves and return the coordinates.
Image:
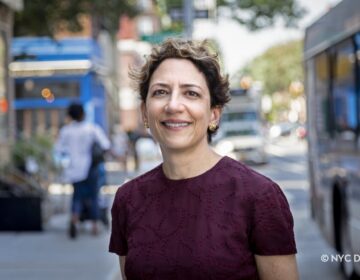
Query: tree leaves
(278, 67)
(42, 17)
(256, 14)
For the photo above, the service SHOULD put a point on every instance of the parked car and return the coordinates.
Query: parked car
(244, 142)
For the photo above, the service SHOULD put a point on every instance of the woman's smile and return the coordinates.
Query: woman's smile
(175, 124)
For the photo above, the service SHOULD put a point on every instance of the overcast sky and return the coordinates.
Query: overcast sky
(239, 46)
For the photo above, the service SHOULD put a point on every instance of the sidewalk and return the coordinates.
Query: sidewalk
(52, 255)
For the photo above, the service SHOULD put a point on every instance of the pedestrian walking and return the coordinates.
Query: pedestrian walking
(197, 215)
(78, 141)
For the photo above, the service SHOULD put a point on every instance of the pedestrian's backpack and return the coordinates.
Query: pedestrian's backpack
(97, 154)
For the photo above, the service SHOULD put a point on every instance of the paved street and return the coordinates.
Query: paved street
(288, 167)
(51, 255)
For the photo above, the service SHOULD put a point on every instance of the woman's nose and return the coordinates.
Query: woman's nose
(174, 103)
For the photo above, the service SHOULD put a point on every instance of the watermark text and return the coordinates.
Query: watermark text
(340, 258)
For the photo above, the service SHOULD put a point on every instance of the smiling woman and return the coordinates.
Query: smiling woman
(177, 107)
(197, 215)
(201, 61)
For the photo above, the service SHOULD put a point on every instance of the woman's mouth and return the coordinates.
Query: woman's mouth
(175, 124)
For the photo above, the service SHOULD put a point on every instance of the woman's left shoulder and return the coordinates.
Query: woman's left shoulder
(248, 179)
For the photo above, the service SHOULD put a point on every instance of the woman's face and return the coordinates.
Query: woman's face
(177, 106)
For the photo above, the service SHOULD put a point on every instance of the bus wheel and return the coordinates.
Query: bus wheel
(347, 264)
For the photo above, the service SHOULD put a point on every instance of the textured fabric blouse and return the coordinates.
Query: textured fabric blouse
(206, 227)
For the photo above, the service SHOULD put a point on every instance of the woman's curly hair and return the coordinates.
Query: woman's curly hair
(200, 55)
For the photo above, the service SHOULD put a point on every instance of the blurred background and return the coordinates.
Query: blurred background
(294, 67)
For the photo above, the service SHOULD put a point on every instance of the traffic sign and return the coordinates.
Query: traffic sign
(177, 14)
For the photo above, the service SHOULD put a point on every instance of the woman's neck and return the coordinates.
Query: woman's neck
(181, 165)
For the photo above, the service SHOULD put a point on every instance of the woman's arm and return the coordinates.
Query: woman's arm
(122, 266)
(277, 267)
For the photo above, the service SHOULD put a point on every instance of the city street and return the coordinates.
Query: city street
(51, 255)
(90, 90)
(288, 167)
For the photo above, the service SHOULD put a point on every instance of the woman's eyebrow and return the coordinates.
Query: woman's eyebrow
(191, 85)
(160, 84)
(187, 85)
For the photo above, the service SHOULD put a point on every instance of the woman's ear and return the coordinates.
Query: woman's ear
(216, 114)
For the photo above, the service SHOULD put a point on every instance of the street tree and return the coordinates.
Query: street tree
(257, 14)
(278, 67)
(45, 17)
(254, 14)
(280, 71)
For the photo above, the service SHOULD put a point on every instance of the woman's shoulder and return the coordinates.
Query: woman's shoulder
(246, 177)
(138, 184)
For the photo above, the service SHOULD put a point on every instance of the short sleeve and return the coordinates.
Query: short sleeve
(273, 225)
(118, 240)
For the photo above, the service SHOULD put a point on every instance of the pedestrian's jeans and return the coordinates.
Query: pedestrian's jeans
(86, 191)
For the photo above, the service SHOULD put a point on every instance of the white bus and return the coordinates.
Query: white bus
(332, 60)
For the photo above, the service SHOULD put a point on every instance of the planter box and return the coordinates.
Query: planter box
(20, 214)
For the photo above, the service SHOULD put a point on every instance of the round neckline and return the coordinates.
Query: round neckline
(185, 180)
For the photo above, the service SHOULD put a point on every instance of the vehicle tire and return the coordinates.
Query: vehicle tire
(347, 268)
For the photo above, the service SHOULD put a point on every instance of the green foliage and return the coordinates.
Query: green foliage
(278, 67)
(256, 14)
(173, 3)
(39, 148)
(41, 17)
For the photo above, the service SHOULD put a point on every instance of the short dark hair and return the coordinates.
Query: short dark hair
(76, 112)
(200, 55)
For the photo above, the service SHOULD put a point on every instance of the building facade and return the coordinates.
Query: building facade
(130, 53)
(7, 8)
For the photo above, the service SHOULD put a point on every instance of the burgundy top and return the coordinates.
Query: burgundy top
(205, 227)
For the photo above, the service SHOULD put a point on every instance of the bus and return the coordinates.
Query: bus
(50, 74)
(332, 83)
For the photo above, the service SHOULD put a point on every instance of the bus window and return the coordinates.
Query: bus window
(322, 95)
(344, 91)
(357, 40)
(60, 89)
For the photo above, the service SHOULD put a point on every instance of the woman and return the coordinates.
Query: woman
(197, 215)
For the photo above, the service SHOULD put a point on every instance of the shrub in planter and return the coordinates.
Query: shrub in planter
(24, 182)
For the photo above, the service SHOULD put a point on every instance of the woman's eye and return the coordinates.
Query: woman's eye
(193, 93)
(159, 92)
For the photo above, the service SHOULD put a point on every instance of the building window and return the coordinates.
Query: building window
(38, 89)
